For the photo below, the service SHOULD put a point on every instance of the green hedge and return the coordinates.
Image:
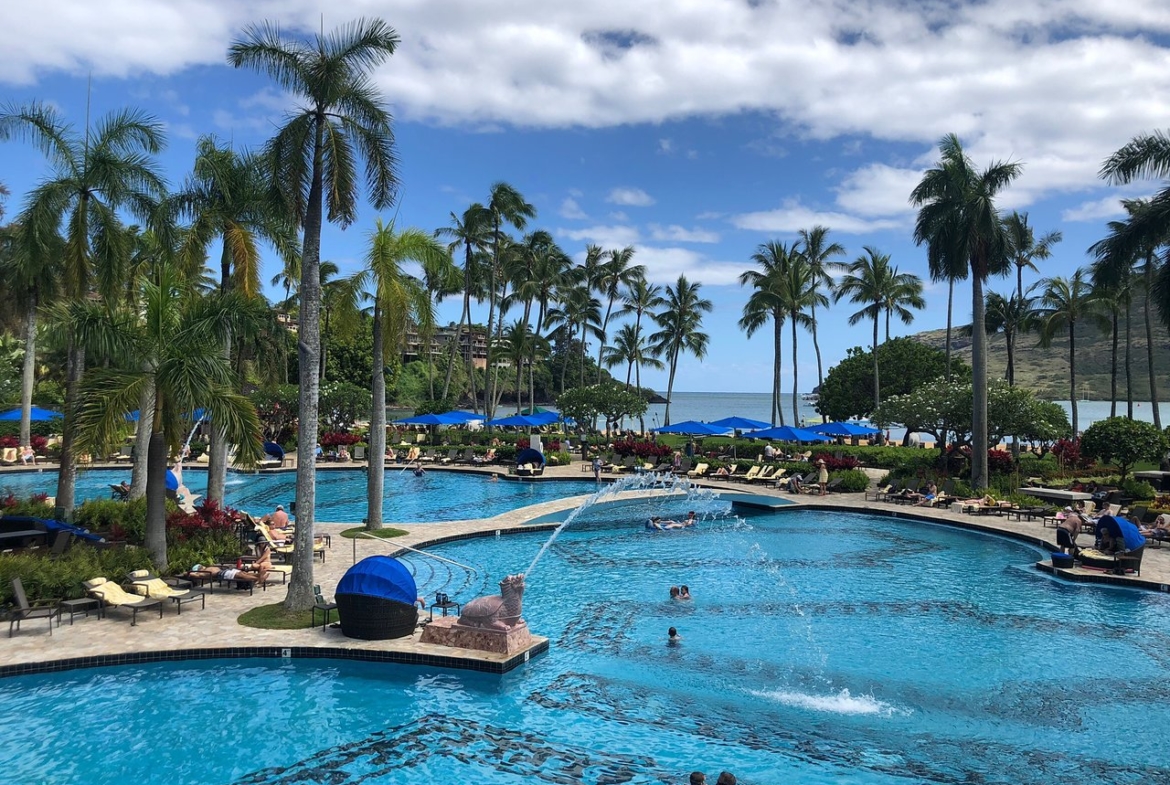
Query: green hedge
(217, 547)
(127, 519)
(852, 480)
(61, 579)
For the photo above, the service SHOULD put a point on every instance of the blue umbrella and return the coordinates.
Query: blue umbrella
(786, 433)
(519, 421)
(172, 481)
(842, 429)
(694, 428)
(198, 414)
(544, 418)
(427, 419)
(1120, 527)
(36, 414)
(741, 423)
(459, 418)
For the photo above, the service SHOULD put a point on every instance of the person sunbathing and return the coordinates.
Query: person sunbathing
(927, 498)
(1159, 529)
(27, 455)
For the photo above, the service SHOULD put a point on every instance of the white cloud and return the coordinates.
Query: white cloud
(793, 216)
(664, 265)
(665, 146)
(571, 210)
(619, 216)
(1035, 81)
(616, 236)
(630, 197)
(679, 234)
(1094, 210)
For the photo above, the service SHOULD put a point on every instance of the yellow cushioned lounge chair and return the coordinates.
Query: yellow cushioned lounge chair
(111, 595)
(699, 471)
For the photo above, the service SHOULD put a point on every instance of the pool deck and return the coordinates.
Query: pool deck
(215, 632)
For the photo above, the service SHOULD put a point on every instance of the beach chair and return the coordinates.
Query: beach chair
(684, 467)
(24, 611)
(750, 475)
(699, 471)
(450, 456)
(728, 475)
(143, 583)
(359, 452)
(111, 595)
(876, 494)
(8, 457)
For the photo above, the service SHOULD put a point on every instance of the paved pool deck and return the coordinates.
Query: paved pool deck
(215, 631)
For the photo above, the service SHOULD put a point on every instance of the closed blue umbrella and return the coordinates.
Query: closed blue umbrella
(694, 428)
(786, 433)
(36, 414)
(741, 423)
(519, 421)
(842, 429)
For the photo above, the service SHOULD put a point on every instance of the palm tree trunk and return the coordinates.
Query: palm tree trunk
(776, 338)
(67, 474)
(28, 370)
(604, 337)
(458, 348)
(156, 494)
(375, 472)
(877, 378)
(217, 457)
(950, 311)
(1020, 281)
(1150, 348)
(778, 369)
(817, 350)
(638, 381)
(979, 475)
(324, 344)
(1072, 375)
(138, 474)
(489, 386)
(565, 354)
(795, 392)
(1010, 341)
(300, 588)
(1128, 364)
(1112, 369)
(888, 325)
(670, 384)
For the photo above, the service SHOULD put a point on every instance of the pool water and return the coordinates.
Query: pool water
(819, 648)
(341, 493)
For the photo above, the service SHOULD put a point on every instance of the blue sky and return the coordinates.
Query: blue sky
(693, 130)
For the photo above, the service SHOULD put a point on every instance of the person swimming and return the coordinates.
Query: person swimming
(657, 524)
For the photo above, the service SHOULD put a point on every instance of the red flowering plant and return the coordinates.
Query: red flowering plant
(209, 516)
(1068, 451)
(553, 445)
(39, 443)
(834, 464)
(641, 449)
(9, 441)
(999, 462)
(339, 438)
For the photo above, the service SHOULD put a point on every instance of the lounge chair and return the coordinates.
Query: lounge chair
(450, 456)
(727, 473)
(684, 466)
(111, 595)
(751, 474)
(119, 493)
(529, 470)
(61, 541)
(699, 471)
(359, 452)
(24, 611)
(877, 493)
(281, 548)
(8, 457)
(142, 583)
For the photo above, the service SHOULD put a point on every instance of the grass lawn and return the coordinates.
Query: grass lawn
(384, 532)
(275, 617)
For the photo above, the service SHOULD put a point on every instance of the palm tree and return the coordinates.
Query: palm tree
(1013, 316)
(1064, 303)
(1111, 293)
(958, 220)
(871, 280)
(312, 160)
(641, 297)
(96, 173)
(1025, 248)
(506, 205)
(339, 310)
(799, 295)
(397, 299)
(472, 233)
(174, 345)
(767, 303)
(681, 320)
(227, 199)
(578, 315)
(819, 252)
(616, 274)
(630, 349)
(538, 271)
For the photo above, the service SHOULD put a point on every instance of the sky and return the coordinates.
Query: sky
(694, 130)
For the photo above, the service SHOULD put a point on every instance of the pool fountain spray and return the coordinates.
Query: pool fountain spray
(665, 483)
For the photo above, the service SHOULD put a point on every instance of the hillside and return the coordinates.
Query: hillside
(1046, 370)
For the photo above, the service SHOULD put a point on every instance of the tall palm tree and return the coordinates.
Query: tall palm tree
(1025, 248)
(174, 344)
(540, 268)
(576, 317)
(398, 299)
(470, 233)
(1063, 303)
(630, 349)
(341, 119)
(819, 253)
(958, 220)
(767, 303)
(1013, 316)
(640, 298)
(616, 274)
(226, 198)
(800, 296)
(681, 322)
(1111, 293)
(871, 280)
(506, 206)
(95, 173)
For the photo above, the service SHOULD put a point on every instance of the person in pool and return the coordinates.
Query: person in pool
(684, 593)
(675, 594)
(672, 637)
(690, 519)
(657, 524)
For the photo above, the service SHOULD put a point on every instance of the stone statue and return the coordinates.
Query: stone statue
(499, 611)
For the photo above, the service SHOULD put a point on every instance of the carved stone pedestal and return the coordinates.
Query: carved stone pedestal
(445, 632)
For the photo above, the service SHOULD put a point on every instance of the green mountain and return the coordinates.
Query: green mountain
(1046, 370)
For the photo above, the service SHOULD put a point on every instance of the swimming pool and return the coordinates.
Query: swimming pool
(341, 493)
(819, 648)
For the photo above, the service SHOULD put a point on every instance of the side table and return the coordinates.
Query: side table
(80, 605)
(445, 605)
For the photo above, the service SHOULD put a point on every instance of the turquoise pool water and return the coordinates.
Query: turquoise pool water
(341, 493)
(819, 648)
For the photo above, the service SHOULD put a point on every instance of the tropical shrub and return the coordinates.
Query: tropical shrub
(114, 520)
(559, 458)
(339, 438)
(61, 579)
(1123, 442)
(852, 480)
(835, 463)
(641, 449)
(35, 506)
(1068, 451)
(999, 461)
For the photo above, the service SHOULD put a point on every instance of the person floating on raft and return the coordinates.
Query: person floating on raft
(658, 524)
